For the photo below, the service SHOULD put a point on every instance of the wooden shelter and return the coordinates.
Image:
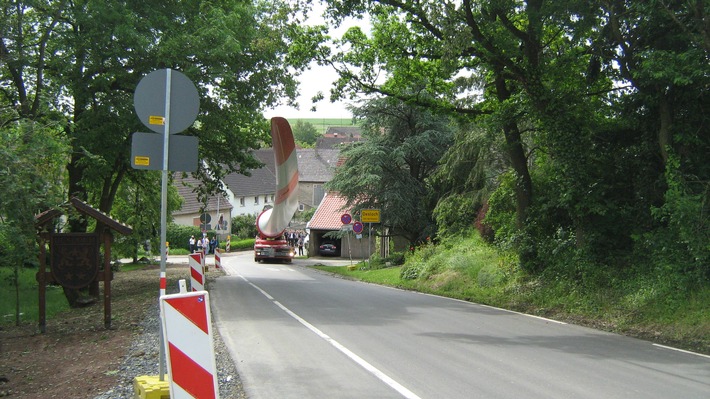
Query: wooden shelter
(74, 257)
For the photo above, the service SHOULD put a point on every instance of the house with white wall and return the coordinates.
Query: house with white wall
(218, 208)
(249, 194)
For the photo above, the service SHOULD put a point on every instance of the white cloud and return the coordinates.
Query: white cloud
(318, 79)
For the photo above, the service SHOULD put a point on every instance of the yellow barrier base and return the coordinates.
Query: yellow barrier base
(150, 387)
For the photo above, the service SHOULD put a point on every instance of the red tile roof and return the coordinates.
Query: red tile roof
(327, 216)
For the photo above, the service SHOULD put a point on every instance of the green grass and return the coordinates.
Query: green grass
(127, 267)
(635, 304)
(29, 297)
(388, 276)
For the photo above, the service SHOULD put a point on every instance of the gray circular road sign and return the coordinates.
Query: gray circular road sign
(150, 98)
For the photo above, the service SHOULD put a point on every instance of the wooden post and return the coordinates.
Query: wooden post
(42, 280)
(108, 238)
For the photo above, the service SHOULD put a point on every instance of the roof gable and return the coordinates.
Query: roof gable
(316, 165)
(328, 213)
(86, 209)
(262, 181)
(347, 131)
(190, 205)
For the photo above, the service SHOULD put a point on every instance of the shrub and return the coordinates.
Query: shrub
(395, 259)
(375, 262)
(244, 226)
(500, 215)
(485, 230)
(411, 271)
(240, 245)
(178, 235)
(455, 214)
(684, 234)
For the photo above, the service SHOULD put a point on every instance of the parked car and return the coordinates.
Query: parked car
(328, 249)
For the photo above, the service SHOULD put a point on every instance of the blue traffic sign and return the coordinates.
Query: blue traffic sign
(346, 218)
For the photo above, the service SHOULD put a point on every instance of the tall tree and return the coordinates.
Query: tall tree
(390, 169)
(305, 132)
(662, 49)
(477, 59)
(32, 158)
(81, 61)
(565, 84)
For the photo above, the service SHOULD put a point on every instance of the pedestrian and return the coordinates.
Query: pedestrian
(213, 244)
(205, 245)
(191, 243)
(300, 246)
(199, 245)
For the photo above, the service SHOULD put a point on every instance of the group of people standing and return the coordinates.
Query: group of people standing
(205, 244)
(296, 239)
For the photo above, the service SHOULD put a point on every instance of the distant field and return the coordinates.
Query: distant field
(322, 124)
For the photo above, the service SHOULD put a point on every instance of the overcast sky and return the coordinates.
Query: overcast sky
(317, 79)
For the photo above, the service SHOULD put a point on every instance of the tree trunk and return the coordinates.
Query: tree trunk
(518, 159)
(664, 130)
(78, 298)
(76, 173)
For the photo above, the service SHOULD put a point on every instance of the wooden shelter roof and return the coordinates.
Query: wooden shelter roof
(86, 209)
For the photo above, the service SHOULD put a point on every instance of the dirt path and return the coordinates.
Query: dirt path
(77, 357)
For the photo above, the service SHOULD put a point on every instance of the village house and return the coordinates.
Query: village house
(215, 215)
(247, 195)
(336, 136)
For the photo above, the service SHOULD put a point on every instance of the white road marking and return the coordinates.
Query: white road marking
(681, 350)
(347, 352)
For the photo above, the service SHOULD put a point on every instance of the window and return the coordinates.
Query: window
(256, 200)
(241, 201)
(266, 199)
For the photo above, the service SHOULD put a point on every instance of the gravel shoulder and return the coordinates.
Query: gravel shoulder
(78, 358)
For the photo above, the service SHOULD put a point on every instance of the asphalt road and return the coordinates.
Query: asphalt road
(298, 333)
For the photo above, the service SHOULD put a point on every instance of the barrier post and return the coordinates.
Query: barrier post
(204, 262)
(187, 330)
(197, 271)
(217, 258)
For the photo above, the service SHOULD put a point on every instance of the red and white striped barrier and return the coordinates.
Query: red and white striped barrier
(217, 258)
(163, 283)
(187, 333)
(197, 271)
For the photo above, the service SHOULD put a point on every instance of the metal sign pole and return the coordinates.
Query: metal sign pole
(369, 244)
(350, 252)
(153, 105)
(164, 211)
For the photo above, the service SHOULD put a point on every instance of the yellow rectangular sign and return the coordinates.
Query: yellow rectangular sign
(156, 120)
(141, 161)
(370, 216)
